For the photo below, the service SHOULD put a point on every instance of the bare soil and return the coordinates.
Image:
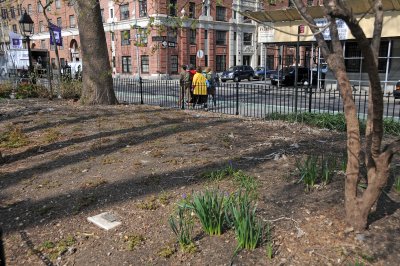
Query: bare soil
(137, 162)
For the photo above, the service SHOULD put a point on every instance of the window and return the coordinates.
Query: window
(220, 63)
(58, 4)
(234, 36)
(310, 2)
(142, 8)
(289, 60)
(290, 4)
(59, 22)
(141, 38)
(39, 7)
(192, 10)
(192, 60)
(174, 64)
(41, 26)
(102, 15)
(383, 52)
(205, 34)
(4, 13)
(111, 13)
(221, 37)
(112, 36)
(124, 11)
(144, 63)
(62, 62)
(125, 37)
(352, 57)
(12, 12)
(29, 9)
(205, 10)
(172, 8)
(247, 38)
(192, 37)
(221, 12)
(42, 44)
(126, 64)
(270, 61)
(205, 60)
(234, 60)
(72, 21)
(14, 28)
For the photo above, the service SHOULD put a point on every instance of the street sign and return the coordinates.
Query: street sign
(171, 44)
(164, 44)
(158, 38)
(200, 53)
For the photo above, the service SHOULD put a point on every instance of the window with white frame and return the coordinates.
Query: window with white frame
(124, 11)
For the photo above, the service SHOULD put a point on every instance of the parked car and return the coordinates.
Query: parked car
(286, 76)
(396, 91)
(238, 73)
(260, 73)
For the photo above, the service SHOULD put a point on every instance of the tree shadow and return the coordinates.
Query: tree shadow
(88, 199)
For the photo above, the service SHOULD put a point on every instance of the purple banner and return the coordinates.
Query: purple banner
(57, 34)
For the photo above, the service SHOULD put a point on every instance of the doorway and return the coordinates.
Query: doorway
(247, 60)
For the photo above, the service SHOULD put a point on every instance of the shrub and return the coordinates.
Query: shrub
(71, 89)
(31, 91)
(6, 90)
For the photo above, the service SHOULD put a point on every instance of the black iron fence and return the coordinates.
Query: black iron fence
(253, 100)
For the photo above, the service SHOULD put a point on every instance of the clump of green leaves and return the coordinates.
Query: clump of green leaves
(14, 137)
(316, 169)
(241, 214)
(51, 135)
(182, 227)
(209, 207)
(167, 251)
(397, 184)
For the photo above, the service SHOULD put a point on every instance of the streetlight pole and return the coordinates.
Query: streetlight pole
(26, 27)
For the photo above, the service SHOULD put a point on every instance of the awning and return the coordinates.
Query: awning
(291, 14)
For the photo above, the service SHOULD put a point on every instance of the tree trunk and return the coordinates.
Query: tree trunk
(96, 75)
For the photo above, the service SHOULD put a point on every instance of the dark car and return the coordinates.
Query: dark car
(286, 76)
(396, 91)
(238, 73)
(260, 73)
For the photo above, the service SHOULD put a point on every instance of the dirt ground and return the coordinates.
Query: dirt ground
(138, 161)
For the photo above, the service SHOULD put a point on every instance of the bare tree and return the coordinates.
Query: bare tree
(97, 75)
(377, 159)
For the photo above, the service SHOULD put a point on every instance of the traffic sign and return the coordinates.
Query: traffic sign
(200, 53)
(164, 44)
(158, 38)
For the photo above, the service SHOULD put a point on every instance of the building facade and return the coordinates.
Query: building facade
(150, 38)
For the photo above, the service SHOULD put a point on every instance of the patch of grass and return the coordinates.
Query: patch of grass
(57, 249)
(94, 183)
(49, 184)
(164, 198)
(218, 175)
(109, 160)
(269, 244)
(51, 135)
(332, 121)
(13, 137)
(167, 252)
(182, 227)
(246, 182)
(149, 205)
(397, 184)
(133, 241)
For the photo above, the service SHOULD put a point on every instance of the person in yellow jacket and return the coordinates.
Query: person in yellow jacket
(199, 88)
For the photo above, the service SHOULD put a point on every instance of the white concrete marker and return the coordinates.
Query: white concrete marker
(104, 220)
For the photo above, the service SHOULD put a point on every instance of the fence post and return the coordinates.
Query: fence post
(310, 97)
(237, 97)
(141, 89)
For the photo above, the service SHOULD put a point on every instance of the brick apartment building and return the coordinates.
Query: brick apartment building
(225, 37)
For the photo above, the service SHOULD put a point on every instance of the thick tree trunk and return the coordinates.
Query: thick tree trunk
(96, 75)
